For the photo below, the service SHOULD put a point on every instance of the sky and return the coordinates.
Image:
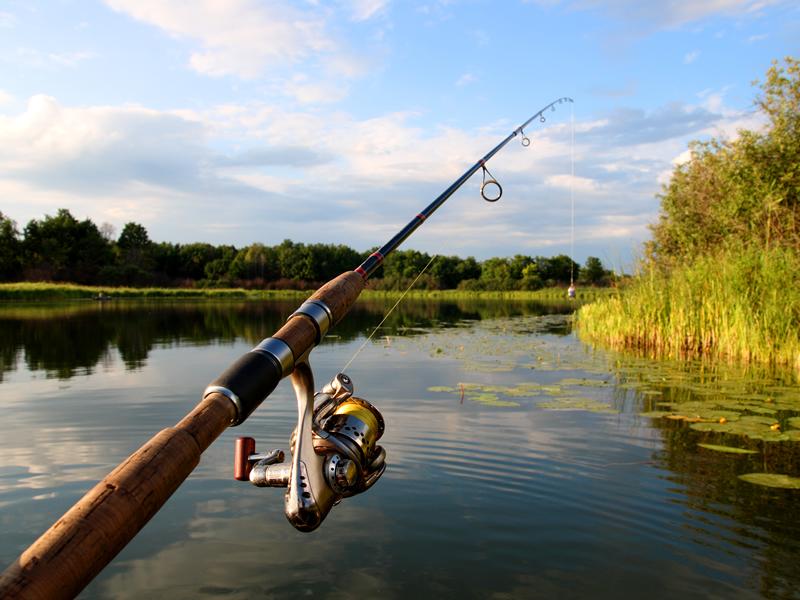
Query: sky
(242, 121)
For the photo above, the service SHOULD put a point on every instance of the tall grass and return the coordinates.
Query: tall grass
(739, 305)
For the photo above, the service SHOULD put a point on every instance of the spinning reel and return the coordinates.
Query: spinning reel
(334, 451)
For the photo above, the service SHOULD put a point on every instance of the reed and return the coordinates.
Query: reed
(741, 305)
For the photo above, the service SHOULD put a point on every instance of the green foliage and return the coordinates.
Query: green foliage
(723, 275)
(593, 272)
(10, 264)
(742, 191)
(61, 248)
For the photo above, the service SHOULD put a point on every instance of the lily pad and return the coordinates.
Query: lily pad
(729, 449)
(773, 480)
(491, 400)
(586, 404)
(583, 382)
(656, 414)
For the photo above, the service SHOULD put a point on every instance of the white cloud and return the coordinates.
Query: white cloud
(363, 10)
(466, 79)
(5, 98)
(97, 149)
(284, 171)
(304, 91)
(70, 59)
(243, 37)
(7, 20)
(757, 38)
(31, 57)
(578, 184)
(690, 57)
(670, 13)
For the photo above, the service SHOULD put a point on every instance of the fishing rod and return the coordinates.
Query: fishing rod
(335, 453)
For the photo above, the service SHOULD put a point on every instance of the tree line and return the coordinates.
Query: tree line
(63, 248)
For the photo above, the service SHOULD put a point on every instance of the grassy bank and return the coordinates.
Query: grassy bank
(741, 305)
(67, 291)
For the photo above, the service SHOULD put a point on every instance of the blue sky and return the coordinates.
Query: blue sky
(337, 121)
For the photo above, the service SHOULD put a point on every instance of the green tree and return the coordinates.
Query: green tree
(194, 258)
(531, 278)
(62, 248)
(469, 268)
(496, 274)
(255, 262)
(445, 271)
(593, 271)
(557, 269)
(740, 192)
(135, 247)
(10, 249)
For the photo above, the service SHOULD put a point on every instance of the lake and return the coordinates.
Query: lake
(522, 463)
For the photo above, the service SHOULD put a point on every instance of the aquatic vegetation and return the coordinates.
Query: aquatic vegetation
(488, 394)
(742, 306)
(774, 480)
(752, 426)
(727, 449)
(586, 404)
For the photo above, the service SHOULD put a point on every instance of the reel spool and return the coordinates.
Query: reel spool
(335, 453)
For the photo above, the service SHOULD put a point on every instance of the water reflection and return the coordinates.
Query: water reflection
(481, 499)
(88, 331)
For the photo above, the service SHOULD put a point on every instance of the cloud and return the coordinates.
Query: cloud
(245, 38)
(241, 173)
(288, 156)
(626, 126)
(690, 57)
(306, 91)
(669, 13)
(5, 98)
(579, 184)
(37, 59)
(757, 38)
(363, 10)
(7, 20)
(95, 150)
(466, 79)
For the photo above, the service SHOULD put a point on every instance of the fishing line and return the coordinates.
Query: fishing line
(572, 196)
(378, 326)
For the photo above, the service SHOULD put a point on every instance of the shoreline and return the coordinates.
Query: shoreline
(27, 291)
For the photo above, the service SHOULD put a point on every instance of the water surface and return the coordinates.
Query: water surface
(521, 462)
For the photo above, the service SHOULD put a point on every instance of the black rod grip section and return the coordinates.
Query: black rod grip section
(252, 378)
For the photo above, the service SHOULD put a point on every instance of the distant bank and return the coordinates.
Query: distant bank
(67, 291)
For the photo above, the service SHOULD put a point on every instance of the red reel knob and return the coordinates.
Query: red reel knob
(244, 448)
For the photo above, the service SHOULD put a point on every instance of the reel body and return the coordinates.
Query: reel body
(335, 453)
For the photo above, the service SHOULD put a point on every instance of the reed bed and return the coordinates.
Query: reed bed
(742, 306)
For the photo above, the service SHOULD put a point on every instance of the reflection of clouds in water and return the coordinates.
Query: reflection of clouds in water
(258, 553)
